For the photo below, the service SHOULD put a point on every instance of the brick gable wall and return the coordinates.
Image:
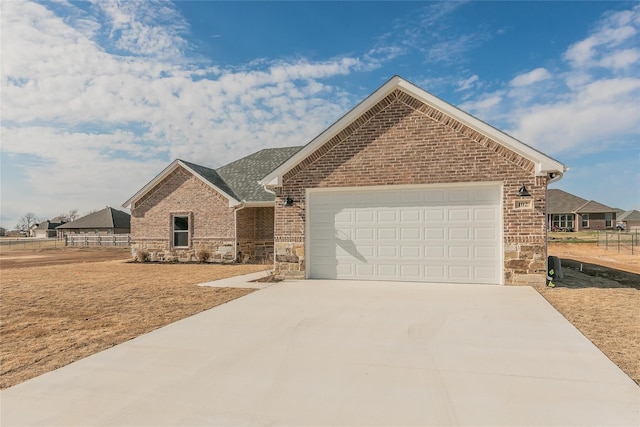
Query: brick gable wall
(212, 220)
(402, 141)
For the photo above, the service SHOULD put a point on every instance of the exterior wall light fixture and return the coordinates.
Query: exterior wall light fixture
(523, 192)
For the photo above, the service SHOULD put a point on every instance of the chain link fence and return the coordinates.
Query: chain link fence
(620, 241)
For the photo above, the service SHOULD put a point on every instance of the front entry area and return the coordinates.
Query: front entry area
(440, 234)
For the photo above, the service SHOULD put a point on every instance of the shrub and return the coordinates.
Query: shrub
(203, 255)
(143, 256)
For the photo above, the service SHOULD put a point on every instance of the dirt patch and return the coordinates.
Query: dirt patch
(593, 254)
(602, 300)
(53, 315)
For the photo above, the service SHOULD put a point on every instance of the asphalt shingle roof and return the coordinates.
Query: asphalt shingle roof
(48, 225)
(559, 202)
(633, 215)
(212, 176)
(243, 175)
(105, 218)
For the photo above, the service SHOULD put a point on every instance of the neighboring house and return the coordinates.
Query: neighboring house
(404, 187)
(46, 229)
(630, 220)
(566, 212)
(103, 222)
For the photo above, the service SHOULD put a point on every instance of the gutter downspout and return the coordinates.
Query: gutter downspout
(268, 190)
(235, 228)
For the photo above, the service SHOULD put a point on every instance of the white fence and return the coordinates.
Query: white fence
(97, 240)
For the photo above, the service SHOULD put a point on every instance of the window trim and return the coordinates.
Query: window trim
(608, 220)
(188, 231)
(562, 221)
(584, 220)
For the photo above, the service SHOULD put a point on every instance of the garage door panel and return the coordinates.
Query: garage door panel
(365, 215)
(487, 273)
(387, 251)
(459, 252)
(411, 252)
(365, 233)
(438, 233)
(433, 252)
(459, 233)
(459, 214)
(407, 234)
(435, 272)
(388, 233)
(485, 233)
(365, 270)
(387, 270)
(485, 214)
(485, 252)
(421, 234)
(434, 215)
(410, 215)
(460, 272)
(388, 216)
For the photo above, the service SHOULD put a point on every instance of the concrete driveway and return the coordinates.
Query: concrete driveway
(344, 353)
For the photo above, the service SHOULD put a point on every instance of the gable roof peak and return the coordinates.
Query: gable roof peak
(543, 163)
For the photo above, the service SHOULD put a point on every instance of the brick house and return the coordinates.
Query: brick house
(103, 222)
(403, 187)
(188, 208)
(408, 187)
(567, 212)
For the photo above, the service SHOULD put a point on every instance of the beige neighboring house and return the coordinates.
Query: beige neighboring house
(46, 229)
(567, 212)
(630, 220)
(404, 187)
(103, 222)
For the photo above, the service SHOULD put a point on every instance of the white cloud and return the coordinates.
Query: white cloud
(589, 105)
(91, 119)
(467, 83)
(531, 77)
(613, 30)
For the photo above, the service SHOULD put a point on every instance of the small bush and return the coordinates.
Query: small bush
(143, 256)
(203, 255)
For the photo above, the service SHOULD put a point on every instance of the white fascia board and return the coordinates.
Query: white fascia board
(543, 163)
(130, 204)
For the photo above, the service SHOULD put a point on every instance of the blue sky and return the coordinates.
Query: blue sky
(98, 97)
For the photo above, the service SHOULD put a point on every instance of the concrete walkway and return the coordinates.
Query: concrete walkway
(330, 353)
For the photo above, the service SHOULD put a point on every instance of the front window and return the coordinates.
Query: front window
(585, 220)
(180, 231)
(563, 222)
(608, 220)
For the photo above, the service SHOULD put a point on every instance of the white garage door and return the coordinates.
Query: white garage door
(444, 235)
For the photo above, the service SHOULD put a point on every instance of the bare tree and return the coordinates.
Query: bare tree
(72, 215)
(27, 221)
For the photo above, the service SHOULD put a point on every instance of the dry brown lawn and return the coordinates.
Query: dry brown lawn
(606, 313)
(53, 315)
